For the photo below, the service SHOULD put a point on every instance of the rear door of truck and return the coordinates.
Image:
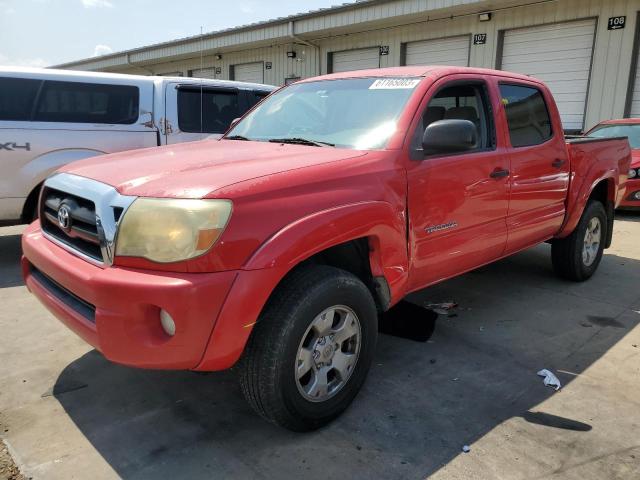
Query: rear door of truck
(540, 167)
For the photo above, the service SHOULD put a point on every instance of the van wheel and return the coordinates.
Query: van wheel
(577, 256)
(311, 349)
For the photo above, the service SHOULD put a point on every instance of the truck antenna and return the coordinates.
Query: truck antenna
(201, 72)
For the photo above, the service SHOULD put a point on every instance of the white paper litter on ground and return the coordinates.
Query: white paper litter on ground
(550, 380)
(466, 449)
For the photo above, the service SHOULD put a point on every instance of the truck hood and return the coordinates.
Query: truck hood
(635, 158)
(195, 169)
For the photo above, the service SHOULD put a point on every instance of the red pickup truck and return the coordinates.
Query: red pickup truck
(277, 247)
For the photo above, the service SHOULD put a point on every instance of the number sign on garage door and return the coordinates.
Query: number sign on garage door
(359, 59)
(249, 72)
(442, 51)
(560, 55)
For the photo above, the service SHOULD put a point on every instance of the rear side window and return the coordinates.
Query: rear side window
(527, 115)
(17, 96)
(77, 102)
(206, 110)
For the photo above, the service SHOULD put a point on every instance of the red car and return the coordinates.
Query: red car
(276, 247)
(630, 128)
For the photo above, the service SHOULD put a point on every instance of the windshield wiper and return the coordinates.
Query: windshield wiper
(237, 137)
(302, 141)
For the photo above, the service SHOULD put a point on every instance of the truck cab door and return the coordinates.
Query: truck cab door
(195, 112)
(539, 164)
(457, 201)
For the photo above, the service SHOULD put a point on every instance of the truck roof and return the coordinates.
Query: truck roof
(77, 75)
(420, 71)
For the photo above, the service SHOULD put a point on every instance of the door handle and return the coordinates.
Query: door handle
(558, 163)
(499, 173)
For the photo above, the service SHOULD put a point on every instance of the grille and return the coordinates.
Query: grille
(81, 232)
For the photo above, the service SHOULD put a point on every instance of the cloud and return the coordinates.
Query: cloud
(97, 3)
(102, 50)
(247, 8)
(23, 62)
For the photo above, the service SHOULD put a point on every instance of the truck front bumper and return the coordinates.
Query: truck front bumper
(117, 310)
(631, 199)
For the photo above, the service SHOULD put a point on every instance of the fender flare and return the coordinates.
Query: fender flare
(384, 227)
(273, 260)
(36, 170)
(576, 206)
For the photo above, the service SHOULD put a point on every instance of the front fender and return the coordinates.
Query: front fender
(384, 227)
(378, 221)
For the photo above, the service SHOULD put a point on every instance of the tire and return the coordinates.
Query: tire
(568, 254)
(289, 330)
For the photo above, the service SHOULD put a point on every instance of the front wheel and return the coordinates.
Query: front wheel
(577, 256)
(311, 349)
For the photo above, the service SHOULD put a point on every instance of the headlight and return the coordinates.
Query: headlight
(632, 173)
(170, 230)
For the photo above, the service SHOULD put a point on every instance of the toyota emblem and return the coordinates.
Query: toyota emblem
(64, 218)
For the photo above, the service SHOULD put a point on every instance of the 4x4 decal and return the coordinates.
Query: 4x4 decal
(11, 146)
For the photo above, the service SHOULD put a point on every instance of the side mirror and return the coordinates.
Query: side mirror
(449, 136)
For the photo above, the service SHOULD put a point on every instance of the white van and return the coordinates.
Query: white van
(52, 117)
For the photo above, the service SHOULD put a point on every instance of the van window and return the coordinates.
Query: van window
(76, 102)
(205, 110)
(527, 115)
(255, 96)
(17, 96)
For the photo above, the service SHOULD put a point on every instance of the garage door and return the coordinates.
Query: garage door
(635, 100)
(360, 59)
(204, 73)
(442, 51)
(560, 55)
(249, 72)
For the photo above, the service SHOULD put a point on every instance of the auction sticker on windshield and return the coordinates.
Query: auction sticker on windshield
(394, 83)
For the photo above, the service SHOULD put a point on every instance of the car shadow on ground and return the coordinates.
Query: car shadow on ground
(421, 403)
(10, 253)
(628, 215)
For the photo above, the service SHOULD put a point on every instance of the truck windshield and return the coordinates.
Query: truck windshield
(631, 131)
(358, 113)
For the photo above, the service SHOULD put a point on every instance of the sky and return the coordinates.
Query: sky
(40, 33)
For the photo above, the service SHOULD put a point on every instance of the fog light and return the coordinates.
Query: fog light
(168, 325)
(636, 196)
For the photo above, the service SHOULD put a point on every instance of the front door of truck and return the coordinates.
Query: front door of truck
(195, 112)
(539, 165)
(457, 202)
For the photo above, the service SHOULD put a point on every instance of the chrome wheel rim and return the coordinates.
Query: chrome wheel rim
(328, 353)
(592, 239)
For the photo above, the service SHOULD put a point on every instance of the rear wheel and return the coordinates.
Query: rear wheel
(577, 256)
(311, 349)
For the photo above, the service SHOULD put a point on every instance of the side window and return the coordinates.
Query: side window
(17, 96)
(460, 102)
(527, 115)
(255, 96)
(206, 110)
(76, 102)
